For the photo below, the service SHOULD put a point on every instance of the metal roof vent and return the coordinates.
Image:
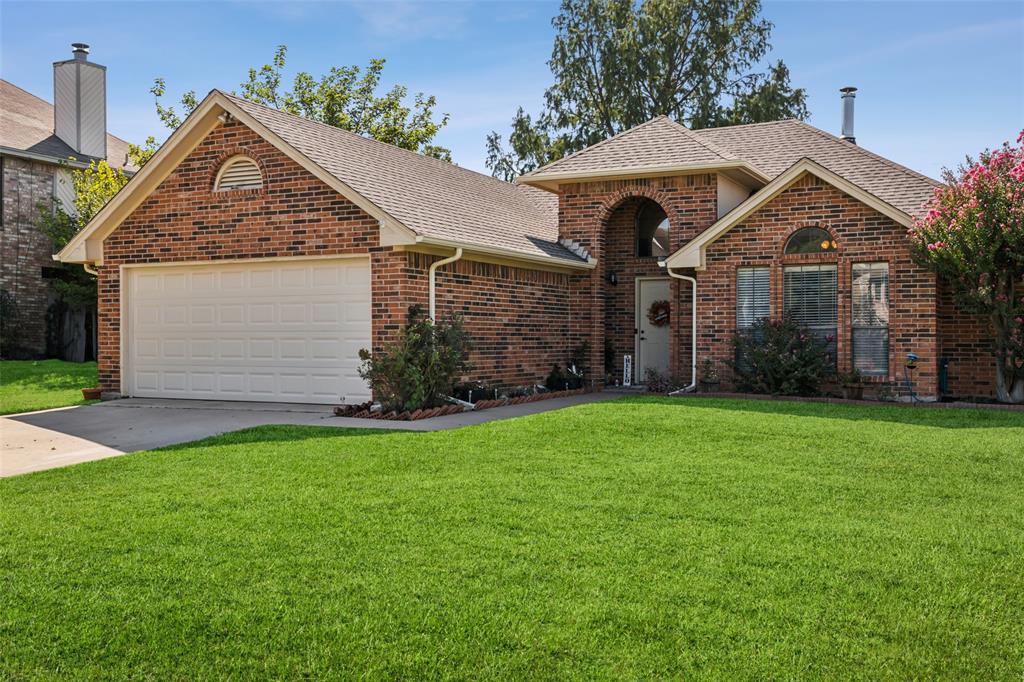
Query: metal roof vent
(80, 51)
(849, 93)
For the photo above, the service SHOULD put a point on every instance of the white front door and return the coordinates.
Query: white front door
(282, 331)
(652, 342)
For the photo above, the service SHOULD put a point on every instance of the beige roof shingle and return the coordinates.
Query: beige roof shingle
(774, 147)
(433, 198)
(659, 142)
(26, 124)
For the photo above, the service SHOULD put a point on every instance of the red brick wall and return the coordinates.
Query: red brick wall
(863, 235)
(965, 341)
(518, 319)
(518, 316)
(600, 215)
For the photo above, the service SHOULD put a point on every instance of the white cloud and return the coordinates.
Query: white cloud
(919, 42)
(405, 20)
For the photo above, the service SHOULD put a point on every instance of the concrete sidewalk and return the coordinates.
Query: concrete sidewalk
(54, 438)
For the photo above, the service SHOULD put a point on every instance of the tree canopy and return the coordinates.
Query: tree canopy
(619, 63)
(345, 97)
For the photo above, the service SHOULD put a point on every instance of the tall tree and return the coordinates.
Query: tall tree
(345, 97)
(618, 63)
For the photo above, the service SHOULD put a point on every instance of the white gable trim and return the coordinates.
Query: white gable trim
(692, 255)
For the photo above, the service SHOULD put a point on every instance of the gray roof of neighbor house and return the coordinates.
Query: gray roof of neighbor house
(658, 142)
(774, 147)
(26, 125)
(433, 198)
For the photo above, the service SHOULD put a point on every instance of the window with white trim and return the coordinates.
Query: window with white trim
(239, 172)
(810, 298)
(870, 290)
(752, 301)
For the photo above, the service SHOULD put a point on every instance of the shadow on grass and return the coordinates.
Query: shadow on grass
(283, 433)
(914, 415)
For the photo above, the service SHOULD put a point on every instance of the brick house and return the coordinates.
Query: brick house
(39, 145)
(258, 251)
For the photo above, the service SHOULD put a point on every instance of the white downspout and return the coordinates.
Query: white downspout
(693, 332)
(433, 279)
(91, 270)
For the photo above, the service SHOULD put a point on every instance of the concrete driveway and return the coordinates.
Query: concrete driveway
(54, 438)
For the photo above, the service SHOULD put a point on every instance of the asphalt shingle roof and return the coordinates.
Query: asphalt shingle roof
(26, 124)
(432, 197)
(659, 142)
(774, 147)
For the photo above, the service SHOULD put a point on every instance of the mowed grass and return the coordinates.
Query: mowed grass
(27, 385)
(637, 539)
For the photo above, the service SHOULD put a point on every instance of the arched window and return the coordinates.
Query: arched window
(238, 172)
(810, 240)
(651, 231)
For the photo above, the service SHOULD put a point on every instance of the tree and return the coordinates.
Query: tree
(93, 186)
(345, 97)
(972, 237)
(617, 64)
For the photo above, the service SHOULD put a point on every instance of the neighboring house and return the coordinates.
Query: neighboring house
(38, 141)
(257, 252)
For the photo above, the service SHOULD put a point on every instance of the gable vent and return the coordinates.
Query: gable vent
(239, 172)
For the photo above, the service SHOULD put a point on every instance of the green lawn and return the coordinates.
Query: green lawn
(640, 539)
(27, 385)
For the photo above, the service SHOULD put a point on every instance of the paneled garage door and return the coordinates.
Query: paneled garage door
(272, 331)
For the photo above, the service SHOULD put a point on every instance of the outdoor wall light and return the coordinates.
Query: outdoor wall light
(613, 279)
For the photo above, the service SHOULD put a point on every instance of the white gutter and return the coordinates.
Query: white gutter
(693, 332)
(433, 279)
(91, 270)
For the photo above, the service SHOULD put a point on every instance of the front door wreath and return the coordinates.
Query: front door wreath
(659, 313)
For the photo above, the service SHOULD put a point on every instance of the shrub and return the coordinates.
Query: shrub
(661, 382)
(781, 358)
(556, 380)
(972, 237)
(419, 368)
(9, 325)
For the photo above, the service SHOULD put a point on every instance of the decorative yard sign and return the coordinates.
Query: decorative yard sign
(627, 370)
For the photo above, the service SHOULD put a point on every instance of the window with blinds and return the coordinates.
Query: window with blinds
(241, 172)
(870, 293)
(809, 297)
(752, 301)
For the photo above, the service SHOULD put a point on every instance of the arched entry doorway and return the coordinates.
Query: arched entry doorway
(638, 294)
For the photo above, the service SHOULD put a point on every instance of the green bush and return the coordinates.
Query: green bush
(780, 357)
(420, 367)
(662, 382)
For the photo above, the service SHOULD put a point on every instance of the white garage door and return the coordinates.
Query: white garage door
(273, 331)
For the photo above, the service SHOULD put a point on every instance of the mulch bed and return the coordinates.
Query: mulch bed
(363, 411)
(845, 401)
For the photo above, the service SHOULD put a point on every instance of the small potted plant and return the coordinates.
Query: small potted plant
(709, 379)
(91, 393)
(852, 383)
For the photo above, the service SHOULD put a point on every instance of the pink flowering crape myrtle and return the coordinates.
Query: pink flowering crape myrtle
(972, 237)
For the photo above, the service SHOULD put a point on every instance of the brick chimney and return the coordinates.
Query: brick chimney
(80, 103)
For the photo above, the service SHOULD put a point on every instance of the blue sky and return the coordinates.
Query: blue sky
(937, 80)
